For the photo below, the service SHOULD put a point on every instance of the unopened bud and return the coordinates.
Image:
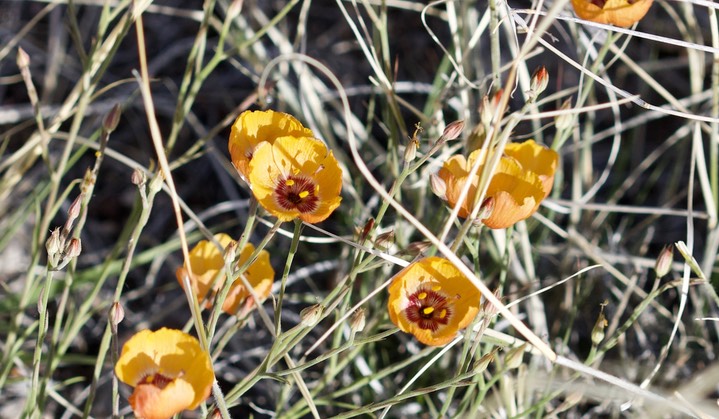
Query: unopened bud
(230, 252)
(410, 152)
(74, 211)
(598, 329)
(138, 177)
(453, 130)
(664, 262)
(53, 244)
(439, 186)
(513, 359)
(564, 120)
(235, 8)
(540, 80)
(116, 315)
(23, 60)
(311, 315)
(73, 249)
(366, 230)
(112, 119)
(485, 111)
(385, 240)
(483, 362)
(489, 310)
(416, 248)
(489, 107)
(357, 322)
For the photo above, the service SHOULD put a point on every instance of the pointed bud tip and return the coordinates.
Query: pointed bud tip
(112, 119)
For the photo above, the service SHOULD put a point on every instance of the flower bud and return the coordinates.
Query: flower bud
(53, 244)
(235, 8)
(73, 249)
(366, 230)
(513, 359)
(489, 310)
(116, 315)
(564, 120)
(357, 322)
(664, 262)
(416, 248)
(230, 252)
(453, 130)
(483, 362)
(138, 177)
(74, 211)
(486, 112)
(311, 315)
(23, 60)
(112, 119)
(410, 152)
(489, 107)
(598, 329)
(540, 80)
(439, 186)
(385, 240)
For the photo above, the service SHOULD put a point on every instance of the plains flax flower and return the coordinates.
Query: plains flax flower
(259, 274)
(254, 127)
(535, 158)
(622, 13)
(515, 189)
(432, 300)
(168, 370)
(207, 262)
(296, 177)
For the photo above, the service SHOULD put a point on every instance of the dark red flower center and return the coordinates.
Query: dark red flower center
(429, 308)
(602, 3)
(297, 193)
(158, 380)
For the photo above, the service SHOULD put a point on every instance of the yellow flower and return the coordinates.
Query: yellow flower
(207, 261)
(254, 127)
(622, 13)
(535, 158)
(296, 177)
(432, 300)
(169, 371)
(522, 180)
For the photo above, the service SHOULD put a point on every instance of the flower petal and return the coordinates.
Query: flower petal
(622, 13)
(535, 158)
(207, 261)
(259, 274)
(254, 127)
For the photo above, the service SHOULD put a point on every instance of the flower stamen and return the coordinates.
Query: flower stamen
(297, 193)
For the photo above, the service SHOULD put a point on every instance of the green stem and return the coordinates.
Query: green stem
(286, 273)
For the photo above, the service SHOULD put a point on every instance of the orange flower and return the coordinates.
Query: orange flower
(296, 177)
(254, 127)
(208, 262)
(622, 13)
(169, 371)
(432, 300)
(522, 180)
